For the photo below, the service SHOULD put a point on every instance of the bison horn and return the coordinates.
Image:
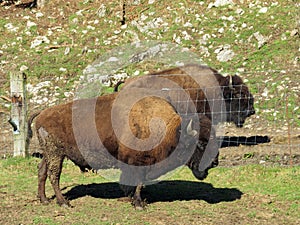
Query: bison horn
(190, 131)
(230, 81)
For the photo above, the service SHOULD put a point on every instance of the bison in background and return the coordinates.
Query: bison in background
(206, 87)
(66, 131)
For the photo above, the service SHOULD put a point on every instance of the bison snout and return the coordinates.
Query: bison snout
(251, 112)
(200, 175)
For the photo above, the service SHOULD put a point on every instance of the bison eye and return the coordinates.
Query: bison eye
(238, 95)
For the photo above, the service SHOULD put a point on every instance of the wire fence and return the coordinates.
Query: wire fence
(275, 128)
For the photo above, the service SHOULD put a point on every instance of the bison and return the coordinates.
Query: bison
(220, 98)
(91, 133)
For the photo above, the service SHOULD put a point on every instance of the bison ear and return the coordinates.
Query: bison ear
(228, 89)
(230, 82)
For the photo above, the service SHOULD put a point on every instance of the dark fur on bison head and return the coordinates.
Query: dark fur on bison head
(239, 100)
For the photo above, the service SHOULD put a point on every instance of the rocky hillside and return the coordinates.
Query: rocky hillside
(55, 45)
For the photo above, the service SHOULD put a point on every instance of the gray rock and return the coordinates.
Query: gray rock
(219, 3)
(295, 32)
(38, 41)
(224, 53)
(101, 12)
(261, 39)
(23, 68)
(263, 10)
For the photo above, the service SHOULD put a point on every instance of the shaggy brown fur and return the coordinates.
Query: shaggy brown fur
(66, 131)
(238, 99)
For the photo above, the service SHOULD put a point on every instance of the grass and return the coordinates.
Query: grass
(71, 30)
(251, 193)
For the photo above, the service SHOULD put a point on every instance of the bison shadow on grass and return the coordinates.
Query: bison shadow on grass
(165, 191)
(235, 141)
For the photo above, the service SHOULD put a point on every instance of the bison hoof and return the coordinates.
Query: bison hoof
(64, 204)
(139, 208)
(44, 201)
(138, 204)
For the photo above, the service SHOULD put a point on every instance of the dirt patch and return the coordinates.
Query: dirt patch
(266, 154)
(267, 146)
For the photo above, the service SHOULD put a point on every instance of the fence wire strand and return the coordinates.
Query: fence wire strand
(277, 117)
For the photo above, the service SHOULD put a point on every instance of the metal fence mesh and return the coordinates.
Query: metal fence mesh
(277, 119)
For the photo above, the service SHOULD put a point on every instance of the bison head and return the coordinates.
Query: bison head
(239, 100)
(194, 163)
(201, 175)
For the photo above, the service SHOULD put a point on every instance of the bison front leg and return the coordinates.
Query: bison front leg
(42, 176)
(131, 181)
(54, 171)
(137, 201)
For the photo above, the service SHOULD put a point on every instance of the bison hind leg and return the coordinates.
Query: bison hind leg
(42, 176)
(54, 172)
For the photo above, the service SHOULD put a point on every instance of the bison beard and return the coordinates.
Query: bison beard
(57, 141)
(201, 83)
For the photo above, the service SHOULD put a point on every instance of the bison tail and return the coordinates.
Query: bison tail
(31, 118)
(116, 88)
(29, 130)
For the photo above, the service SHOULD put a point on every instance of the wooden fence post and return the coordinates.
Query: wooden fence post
(18, 118)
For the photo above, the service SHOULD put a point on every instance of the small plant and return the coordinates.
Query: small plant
(267, 157)
(249, 155)
(252, 214)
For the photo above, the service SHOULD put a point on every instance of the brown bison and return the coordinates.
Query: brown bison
(94, 134)
(220, 98)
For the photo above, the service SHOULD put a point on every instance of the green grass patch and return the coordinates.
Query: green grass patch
(254, 190)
